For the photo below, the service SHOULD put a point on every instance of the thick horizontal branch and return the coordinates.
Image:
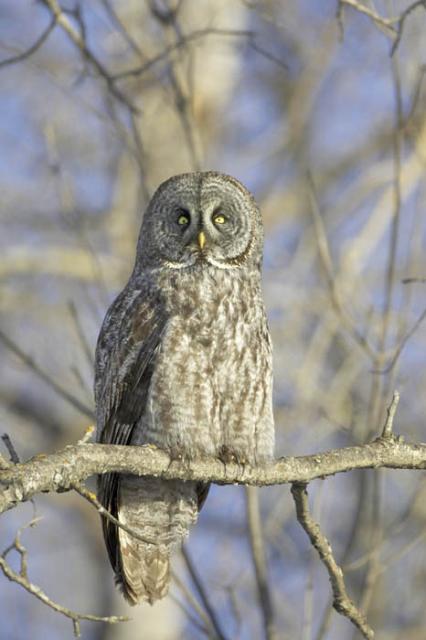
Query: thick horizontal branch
(74, 464)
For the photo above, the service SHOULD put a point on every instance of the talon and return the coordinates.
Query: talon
(179, 457)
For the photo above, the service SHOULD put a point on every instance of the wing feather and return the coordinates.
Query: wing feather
(125, 357)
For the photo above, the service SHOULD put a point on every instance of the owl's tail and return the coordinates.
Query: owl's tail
(145, 571)
(160, 512)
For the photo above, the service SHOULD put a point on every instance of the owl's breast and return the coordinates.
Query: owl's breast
(211, 348)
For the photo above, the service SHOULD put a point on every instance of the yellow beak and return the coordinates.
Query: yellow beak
(201, 239)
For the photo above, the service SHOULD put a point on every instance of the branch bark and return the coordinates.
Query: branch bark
(341, 601)
(66, 468)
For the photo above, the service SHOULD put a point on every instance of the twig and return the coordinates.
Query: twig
(401, 22)
(402, 344)
(182, 101)
(78, 40)
(33, 48)
(193, 602)
(393, 26)
(14, 458)
(203, 594)
(116, 21)
(90, 497)
(386, 23)
(259, 561)
(189, 614)
(327, 264)
(31, 364)
(341, 601)
(380, 386)
(387, 429)
(87, 436)
(21, 578)
(266, 54)
(195, 35)
(411, 280)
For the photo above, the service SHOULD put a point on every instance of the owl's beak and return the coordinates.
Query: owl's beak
(201, 239)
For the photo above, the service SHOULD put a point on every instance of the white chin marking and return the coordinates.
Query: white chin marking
(178, 265)
(220, 265)
(208, 259)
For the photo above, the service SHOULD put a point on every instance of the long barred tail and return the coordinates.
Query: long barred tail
(161, 512)
(145, 573)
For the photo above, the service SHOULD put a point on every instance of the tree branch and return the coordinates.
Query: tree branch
(33, 48)
(63, 470)
(21, 578)
(341, 601)
(258, 553)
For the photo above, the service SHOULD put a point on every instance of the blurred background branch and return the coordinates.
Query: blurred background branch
(100, 101)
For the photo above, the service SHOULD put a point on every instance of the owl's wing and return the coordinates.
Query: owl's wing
(125, 356)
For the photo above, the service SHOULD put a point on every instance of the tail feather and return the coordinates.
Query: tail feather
(161, 512)
(145, 574)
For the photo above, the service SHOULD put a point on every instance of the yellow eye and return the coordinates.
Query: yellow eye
(219, 219)
(183, 219)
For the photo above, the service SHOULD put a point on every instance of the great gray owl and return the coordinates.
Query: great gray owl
(183, 361)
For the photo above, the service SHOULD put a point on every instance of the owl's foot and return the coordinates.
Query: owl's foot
(180, 457)
(228, 456)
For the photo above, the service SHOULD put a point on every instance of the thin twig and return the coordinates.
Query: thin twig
(33, 48)
(203, 594)
(21, 578)
(193, 602)
(182, 101)
(341, 601)
(257, 547)
(31, 364)
(190, 37)
(327, 264)
(117, 22)
(87, 436)
(189, 614)
(402, 344)
(386, 23)
(401, 22)
(92, 499)
(14, 458)
(411, 280)
(388, 427)
(78, 40)
(381, 386)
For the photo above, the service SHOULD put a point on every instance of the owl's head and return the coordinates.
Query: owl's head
(199, 218)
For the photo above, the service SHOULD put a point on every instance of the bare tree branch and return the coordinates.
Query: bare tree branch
(341, 601)
(40, 373)
(387, 429)
(208, 607)
(182, 42)
(14, 458)
(386, 23)
(325, 257)
(78, 39)
(392, 26)
(259, 561)
(21, 578)
(70, 466)
(33, 48)
(401, 21)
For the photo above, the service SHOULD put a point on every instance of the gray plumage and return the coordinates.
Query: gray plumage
(183, 361)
